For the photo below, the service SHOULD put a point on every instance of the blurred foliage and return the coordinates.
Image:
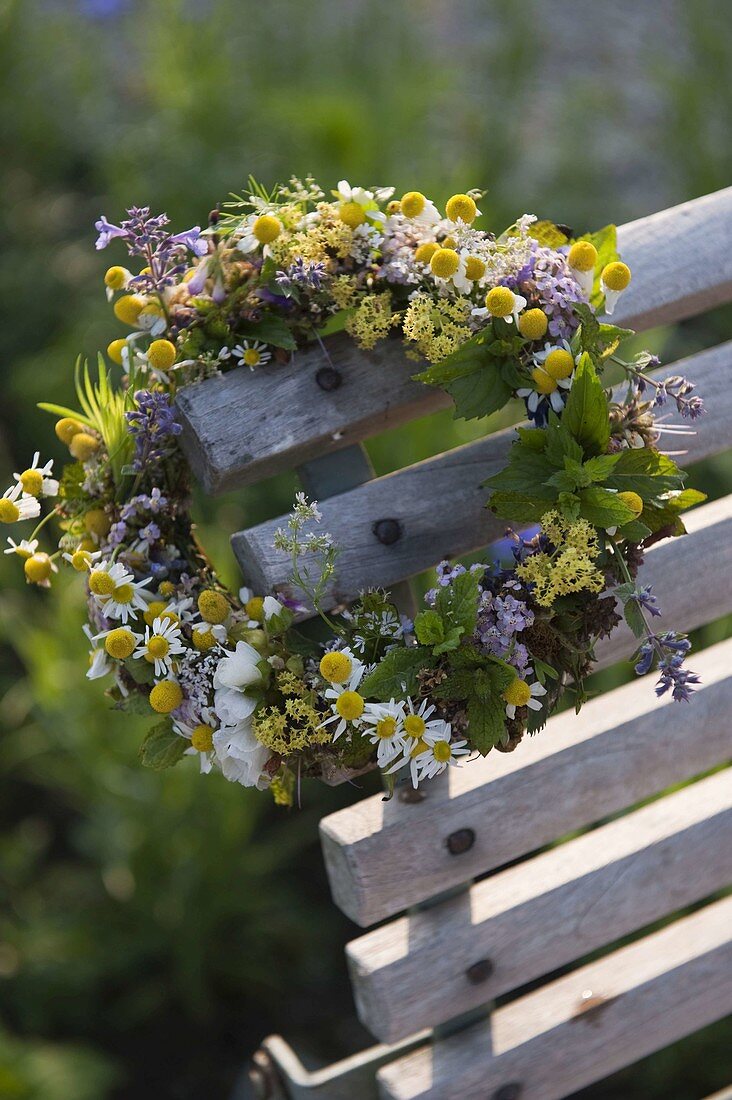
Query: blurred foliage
(153, 928)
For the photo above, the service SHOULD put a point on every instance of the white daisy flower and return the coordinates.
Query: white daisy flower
(614, 279)
(251, 353)
(24, 549)
(15, 505)
(384, 725)
(420, 210)
(440, 754)
(553, 371)
(36, 481)
(126, 598)
(367, 200)
(100, 663)
(200, 734)
(520, 694)
(344, 672)
(160, 645)
(421, 731)
(258, 230)
(506, 306)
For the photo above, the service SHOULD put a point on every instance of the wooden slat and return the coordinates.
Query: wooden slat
(382, 857)
(438, 963)
(244, 426)
(440, 504)
(553, 1042)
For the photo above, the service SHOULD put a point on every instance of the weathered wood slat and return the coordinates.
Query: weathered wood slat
(435, 964)
(244, 426)
(383, 857)
(553, 1041)
(439, 504)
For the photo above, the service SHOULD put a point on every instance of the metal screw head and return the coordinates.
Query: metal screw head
(460, 841)
(387, 531)
(328, 378)
(511, 1091)
(480, 971)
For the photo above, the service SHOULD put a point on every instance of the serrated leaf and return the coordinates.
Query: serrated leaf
(560, 444)
(526, 470)
(521, 507)
(162, 747)
(478, 395)
(486, 723)
(586, 414)
(603, 508)
(644, 471)
(270, 330)
(396, 674)
(600, 467)
(634, 618)
(429, 627)
(534, 439)
(457, 602)
(141, 671)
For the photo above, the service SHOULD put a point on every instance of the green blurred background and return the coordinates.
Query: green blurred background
(153, 928)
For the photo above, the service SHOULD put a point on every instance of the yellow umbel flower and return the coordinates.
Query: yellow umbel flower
(166, 696)
(336, 667)
(343, 289)
(213, 606)
(533, 324)
(570, 568)
(66, 429)
(83, 446)
(120, 643)
(128, 309)
(412, 204)
(461, 208)
(161, 354)
(372, 321)
(267, 228)
(444, 263)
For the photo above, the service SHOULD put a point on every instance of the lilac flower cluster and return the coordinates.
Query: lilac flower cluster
(500, 619)
(164, 253)
(550, 278)
(152, 425)
(308, 274)
(671, 649)
(143, 503)
(679, 389)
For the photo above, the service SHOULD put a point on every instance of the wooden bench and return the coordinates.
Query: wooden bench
(515, 867)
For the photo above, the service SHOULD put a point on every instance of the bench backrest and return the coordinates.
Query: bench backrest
(464, 943)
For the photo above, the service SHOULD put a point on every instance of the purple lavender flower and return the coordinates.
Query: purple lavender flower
(150, 533)
(117, 533)
(552, 280)
(146, 236)
(152, 425)
(645, 598)
(107, 232)
(308, 274)
(671, 648)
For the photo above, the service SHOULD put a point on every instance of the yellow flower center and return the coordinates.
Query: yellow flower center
(83, 446)
(154, 611)
(336, 667)
(9, 512)
(123, 593)
(393, 207)
(386, 727)
(37, 568)
(251, 357)
(22, 552)
(267, 228)
(533, 324)
(350, 705)
(582, 256)
(461, 208)
(616, 276)
(120, 643)
(213, 606)
(80, 560)
(518, 693)
(32, 482)
(448, 242)
(157, 647)
(203, 640)
(100, 583)
(559, 364)
(420, 747)
(543, 382)
(161, 354)
(633, 501)
(114, 351)
(128, 309)
(352, 214)
(254, 608)
(414, 725)
(426, 251)
(412, 204)
(442, 751)
(166, 696)
(66, 429)
(500, 301)
(474, 268)
(166, 588)
(202, 738)
(115, 278)
(444, 263)
(96, 521)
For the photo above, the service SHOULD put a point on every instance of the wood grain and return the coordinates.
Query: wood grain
(645, 996)
(245, 426)
(621, 748)
(428, 967)
(440, 504)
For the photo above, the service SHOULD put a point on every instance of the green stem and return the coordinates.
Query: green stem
(42, 524)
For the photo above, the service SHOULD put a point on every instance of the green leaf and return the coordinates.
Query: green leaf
(457, 603)
(600, 467)
(396, 674)
(666, 513)
(560, 444)
(480, 394)
(634, 618)
(162, 747)
(486, 723)
(603, 508)
(521, 507)
(635, 531)
(526, 471)
(645, 472)
(429, 628)
(141, 671)
(470, 357)
(586, 414)
(270, 330)
(534, 439)
(451, 642)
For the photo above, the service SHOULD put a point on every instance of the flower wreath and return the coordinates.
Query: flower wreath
(234, 680)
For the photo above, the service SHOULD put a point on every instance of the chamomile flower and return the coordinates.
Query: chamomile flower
(520, 694)
(614, 279)
(36, 481)
(581, 259)
(421, 731)
(357, 205)
(440, 753)
(161, 644)
(259, 230)
(502, 302)
(200, 734)
(384, 725)
(24, 549)
(251, 353)
(100, 663)
(344, 672)
(81, 559)
(116, 591)
(16, 505)
(419, 209)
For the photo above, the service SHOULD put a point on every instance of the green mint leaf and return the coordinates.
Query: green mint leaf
(603, 508)
(586, 414)
(429, 628)
(162, 747)
(486, 723)
(396, 674)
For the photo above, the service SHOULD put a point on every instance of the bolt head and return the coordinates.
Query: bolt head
(462, 840)
(510, 1091)
(387, 531)
(480, 971)
(328, 378)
